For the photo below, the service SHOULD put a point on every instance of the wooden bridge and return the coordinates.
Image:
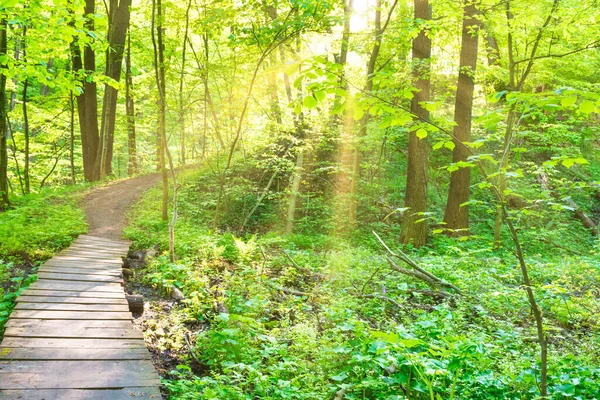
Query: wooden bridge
(70, 335)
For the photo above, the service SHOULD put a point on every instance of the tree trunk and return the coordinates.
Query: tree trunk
(181, 77)
(130, 111)
(456, 216)
(118, 23)
(297, 177)
(159, 68)
(413, 231)
(87, 105)
(379, 31)
(4, 203)
(26, 133)
(45, 90)
(294, 191)
(72, 138)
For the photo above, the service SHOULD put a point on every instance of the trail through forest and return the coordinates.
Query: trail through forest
(106, 207)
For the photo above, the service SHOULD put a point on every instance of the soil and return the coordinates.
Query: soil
(106, 207)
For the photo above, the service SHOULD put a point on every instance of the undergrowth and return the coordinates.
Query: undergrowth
(317, 315)
(37, 226)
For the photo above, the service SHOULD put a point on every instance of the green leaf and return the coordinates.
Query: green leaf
(309, 102)
(421, 133)
(568, 101)
(449, 145)
(358, 113)
(587, 107)
(9, 3)
(320, 95)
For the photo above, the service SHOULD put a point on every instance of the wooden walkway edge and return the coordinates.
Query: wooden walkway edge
(70, 335)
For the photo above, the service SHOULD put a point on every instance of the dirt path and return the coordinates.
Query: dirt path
(106, 207)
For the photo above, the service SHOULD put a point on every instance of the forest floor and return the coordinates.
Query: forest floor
(106, 207)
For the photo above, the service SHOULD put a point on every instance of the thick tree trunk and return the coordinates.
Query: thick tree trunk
(456, 216)
(130, 111)
(4, 203)
(87, 105)
(118, 24)
(413, 230)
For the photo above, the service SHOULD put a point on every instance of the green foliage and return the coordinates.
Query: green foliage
(257, 341)
(38, 226)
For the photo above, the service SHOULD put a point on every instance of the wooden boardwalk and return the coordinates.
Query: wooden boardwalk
(70, 335)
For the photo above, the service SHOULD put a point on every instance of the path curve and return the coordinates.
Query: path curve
(106, 207)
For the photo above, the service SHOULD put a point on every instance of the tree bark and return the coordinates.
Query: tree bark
(159, 67)
(456, 215)
(118, 23)
(181, 79)
(130, 111)
(413, 231)
(4, 202)
(87, 105)
(72, 138)
(26, 133)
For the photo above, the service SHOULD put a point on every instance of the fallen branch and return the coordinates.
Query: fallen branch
(287, 290)
(418, 272)
(577, 211)
(384, 298)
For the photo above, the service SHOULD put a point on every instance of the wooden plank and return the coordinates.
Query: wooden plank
(99, 247)
(76, 286)
(82, 271)
(95, 250)
(74, 332)
(74, 343)
(72, 293)
(130, 393)
(81, 374)
(41, 314)
(99, 239)
(57, 353)
(99, 259)
(78, 277)
(91, 253)
(83, 264)
(52, 323)
(69, 300)
(71, 307)
(114, 260)
(94, 245)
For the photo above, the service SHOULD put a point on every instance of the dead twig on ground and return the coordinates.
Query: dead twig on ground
(417, 271)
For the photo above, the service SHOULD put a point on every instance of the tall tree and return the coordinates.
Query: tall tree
(414, 225)
(4, 202)
(456, 215)
(159, 70)
(364, 122)
(181, 81)
(118, 23)
(87, 104)
(25, 115)
(130, 111)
